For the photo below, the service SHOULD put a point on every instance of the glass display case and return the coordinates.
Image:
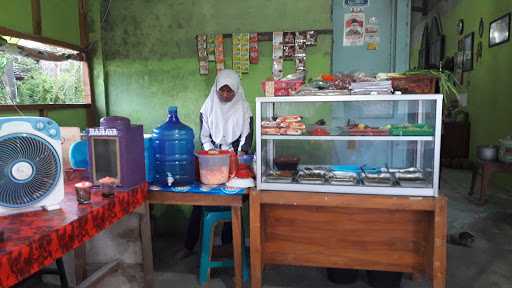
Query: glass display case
(361, 144)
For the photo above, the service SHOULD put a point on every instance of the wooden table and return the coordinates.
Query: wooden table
(33, 240)
(387, 233)
(485, 169)
(197, 199)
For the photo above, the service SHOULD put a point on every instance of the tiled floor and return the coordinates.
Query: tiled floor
(487, 264)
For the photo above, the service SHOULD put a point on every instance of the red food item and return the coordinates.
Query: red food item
(83, 184)
(292, 131)
(290, 118)
(108, 180)
(270, 131)
(215, 176)
(269, 124)
(244, 171)
(320, 132)
(297, 125)
(328, 77)
(284, 124)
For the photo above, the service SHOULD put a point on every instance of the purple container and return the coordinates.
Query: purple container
(116, 150)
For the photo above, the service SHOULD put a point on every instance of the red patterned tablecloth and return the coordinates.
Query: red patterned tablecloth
(34, 240)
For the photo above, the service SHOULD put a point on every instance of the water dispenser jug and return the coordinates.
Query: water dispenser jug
(173, 152)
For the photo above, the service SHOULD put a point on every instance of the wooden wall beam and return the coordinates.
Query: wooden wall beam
(82, 18)
(36, 17)
(13, 33)
(42, 107)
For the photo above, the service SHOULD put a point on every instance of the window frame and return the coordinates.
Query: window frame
(88, 95)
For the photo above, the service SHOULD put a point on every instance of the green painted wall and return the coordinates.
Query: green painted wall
(489, 101)
(143, 89)
(69, 117)
(96, 53)
(488, 85)
(16, 15)
(150, 57)
(59, 19)
(145, 58)
(63, 117)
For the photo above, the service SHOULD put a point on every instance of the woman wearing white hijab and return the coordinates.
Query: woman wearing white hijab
(226, 123)
(226, 118)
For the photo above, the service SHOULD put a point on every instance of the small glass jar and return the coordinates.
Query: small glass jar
(83, 192)
(107, 190)
(107, 185)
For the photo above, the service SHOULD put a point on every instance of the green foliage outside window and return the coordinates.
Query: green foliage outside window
(36, 86)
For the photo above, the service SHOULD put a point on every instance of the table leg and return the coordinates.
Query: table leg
(147, 248)
(439, 253)
(237, 244)
(255, 235)
(486, 176)
(80, 264)
(473, 179)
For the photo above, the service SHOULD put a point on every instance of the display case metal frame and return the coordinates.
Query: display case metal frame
(361, 189)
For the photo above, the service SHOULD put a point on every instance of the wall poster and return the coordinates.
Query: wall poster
(353, 34)
(371, 34)
(468, 52)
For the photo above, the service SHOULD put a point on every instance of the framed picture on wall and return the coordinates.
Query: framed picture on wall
(468, 52)
(499, 31)
(459, 60)
(460, 45)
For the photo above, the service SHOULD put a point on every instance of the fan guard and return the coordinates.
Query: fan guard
(29, 169)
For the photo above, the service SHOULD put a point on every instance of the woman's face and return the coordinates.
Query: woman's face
(225, 93)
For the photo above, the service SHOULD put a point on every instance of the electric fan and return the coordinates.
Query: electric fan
(31, 175)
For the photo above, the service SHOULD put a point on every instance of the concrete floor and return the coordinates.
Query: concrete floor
(487, 264)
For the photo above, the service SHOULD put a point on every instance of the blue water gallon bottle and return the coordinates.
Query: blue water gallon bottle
(148, 156)
(173, 152)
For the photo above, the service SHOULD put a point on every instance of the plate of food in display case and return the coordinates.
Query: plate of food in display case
(382, 179)
(283, 125)
(279, 177)
(342, 178)
(312, 175)
(320, 128)
(411, 130)
(411, 177)
(360, 129)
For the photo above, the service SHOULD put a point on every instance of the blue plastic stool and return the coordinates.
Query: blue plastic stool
(210, 219)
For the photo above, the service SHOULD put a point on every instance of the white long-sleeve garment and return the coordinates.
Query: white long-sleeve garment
(225, 122)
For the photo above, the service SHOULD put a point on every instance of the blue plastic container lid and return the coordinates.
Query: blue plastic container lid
(355, 168)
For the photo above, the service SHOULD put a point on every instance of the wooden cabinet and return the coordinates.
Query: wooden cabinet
(387, 233)
(455, 140)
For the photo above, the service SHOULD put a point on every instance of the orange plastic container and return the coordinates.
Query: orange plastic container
(216, 166)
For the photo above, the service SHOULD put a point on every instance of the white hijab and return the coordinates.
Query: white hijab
(227, 121)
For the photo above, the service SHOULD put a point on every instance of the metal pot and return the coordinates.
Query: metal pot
(487, 153)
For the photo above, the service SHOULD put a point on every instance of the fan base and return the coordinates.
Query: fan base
(51, 207)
